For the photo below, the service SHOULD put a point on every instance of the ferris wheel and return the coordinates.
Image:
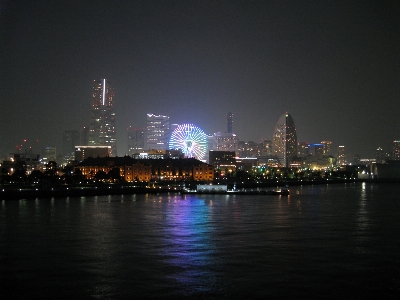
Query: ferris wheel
(190, 139)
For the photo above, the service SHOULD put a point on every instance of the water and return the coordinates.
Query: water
(327, 242)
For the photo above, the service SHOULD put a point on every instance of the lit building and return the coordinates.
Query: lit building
(102, 123)
(396, 150)
(265, 148)
(158, 132)
(71, 138)
(222, 141)
(84, 152)
(380, 156)
(327, 147)
(284, 143)
(341, 157)
(50, 154)
(302, 149)
(316, 149)
(135, 140)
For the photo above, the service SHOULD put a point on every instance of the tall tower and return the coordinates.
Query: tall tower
(71, 138)
(230, 122)
(396, 150)
(102, 123)
(284, 144)
(135, 140)
(327, 147)
(341, 157)
(158, 132)
(379, 155)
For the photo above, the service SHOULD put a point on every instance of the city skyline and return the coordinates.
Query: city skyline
(332, 65)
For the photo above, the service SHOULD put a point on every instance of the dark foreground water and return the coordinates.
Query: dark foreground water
(321, 242)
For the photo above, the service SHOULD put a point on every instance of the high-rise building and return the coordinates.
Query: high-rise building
(223, 141)
(158, 132)
(71, 138)
(284, 144)
(327, 147)
(84, 141)
(302, 149)
(316, 149)
(380, 156)
(230, 122)
(396, 150)
(135, 140)
(341, 158)
(102, 123)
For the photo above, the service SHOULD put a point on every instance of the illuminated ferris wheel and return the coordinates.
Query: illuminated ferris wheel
(190, 139)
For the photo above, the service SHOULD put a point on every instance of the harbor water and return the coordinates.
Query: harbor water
(338, 241)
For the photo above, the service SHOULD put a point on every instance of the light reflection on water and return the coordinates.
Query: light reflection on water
(320, 241)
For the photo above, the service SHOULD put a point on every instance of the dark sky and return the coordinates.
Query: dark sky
(333, 65)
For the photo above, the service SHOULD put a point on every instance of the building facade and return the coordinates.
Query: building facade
(341, 157)
(284, 141)
(158, 132)
(135, 140)
(71, 138)
(102, 122)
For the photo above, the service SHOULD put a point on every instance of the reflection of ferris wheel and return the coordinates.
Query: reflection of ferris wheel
(190, 139)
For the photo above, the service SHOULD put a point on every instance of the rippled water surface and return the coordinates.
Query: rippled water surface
(331, 241)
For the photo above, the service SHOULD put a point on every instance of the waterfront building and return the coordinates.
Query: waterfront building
(224, 161)
(341, 157)
(284, 141)
(102, 123)
(158, 132)
(131, 169)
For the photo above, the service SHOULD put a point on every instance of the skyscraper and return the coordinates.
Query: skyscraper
(379, 155)
(71, 138)
(284, 144)
(230, 122)
(327, 147)
(341, 158)
(158, 132)
(135, 140)
(396, 150)
(102, 123)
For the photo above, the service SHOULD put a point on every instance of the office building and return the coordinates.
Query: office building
(135, 141)
(71, 138)
(284, 143)
(84, 152)
(396, 150)
(327, 147)
(341, 157)
(158, 132)
(102, 123)
(380, 156)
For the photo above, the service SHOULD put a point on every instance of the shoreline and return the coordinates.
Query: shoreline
(18, 192)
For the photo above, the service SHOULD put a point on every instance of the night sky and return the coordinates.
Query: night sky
(333, 65)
